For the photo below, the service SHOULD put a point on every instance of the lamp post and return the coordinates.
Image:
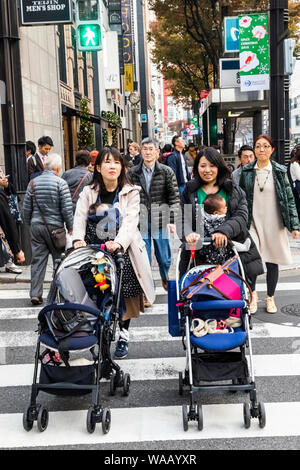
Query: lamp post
(279, 122)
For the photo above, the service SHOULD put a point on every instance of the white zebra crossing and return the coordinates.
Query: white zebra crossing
(260, 287)
(10, 339)
(151, 424)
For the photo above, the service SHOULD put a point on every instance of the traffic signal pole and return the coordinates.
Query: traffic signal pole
(278, 98)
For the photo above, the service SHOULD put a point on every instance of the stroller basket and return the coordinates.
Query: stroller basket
(218, 367)
(60, 377)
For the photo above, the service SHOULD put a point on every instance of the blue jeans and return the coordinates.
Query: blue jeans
(162, 249)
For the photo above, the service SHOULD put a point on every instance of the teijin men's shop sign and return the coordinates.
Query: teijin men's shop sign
(36, 12)
(254, 52)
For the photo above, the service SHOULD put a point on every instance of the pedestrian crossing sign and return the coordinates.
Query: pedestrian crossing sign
(89, 37)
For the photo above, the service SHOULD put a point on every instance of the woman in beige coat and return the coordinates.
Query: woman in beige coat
(111, 189)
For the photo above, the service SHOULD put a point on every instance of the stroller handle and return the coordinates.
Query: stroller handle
(207, 241)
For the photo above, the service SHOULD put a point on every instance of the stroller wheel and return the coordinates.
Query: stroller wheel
(261, 415)
(126, 385)
(106, 420)
(42, 418)
(112, 385)
(27, 421)
(91, 420)
(180, 384)
(199, 416)
(247, 415)
(185, 418)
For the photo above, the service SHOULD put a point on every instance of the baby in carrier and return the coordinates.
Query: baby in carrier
(214, 214)
(102, 222)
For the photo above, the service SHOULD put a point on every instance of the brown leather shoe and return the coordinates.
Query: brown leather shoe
(146, 303)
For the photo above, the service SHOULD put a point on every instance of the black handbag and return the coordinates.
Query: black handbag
(58, 235)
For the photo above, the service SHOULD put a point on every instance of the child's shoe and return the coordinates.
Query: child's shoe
(121, 350)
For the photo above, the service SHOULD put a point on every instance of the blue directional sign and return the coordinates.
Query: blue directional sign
(231, 34)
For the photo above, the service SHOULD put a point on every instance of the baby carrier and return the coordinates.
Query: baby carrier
(209, 308)
(83, 307)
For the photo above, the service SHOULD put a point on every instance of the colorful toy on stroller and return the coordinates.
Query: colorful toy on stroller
(209, 308)
(84, 306)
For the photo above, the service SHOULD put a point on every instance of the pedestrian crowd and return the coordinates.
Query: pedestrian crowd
(147, 195)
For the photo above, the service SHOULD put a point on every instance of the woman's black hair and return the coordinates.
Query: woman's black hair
(216, 159)
(97, 182)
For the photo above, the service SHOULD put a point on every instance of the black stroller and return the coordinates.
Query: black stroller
(83, 307)
(206, 300)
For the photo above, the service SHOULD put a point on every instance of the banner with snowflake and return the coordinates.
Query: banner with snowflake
(254, 52)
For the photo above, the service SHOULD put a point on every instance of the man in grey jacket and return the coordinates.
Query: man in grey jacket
(52, 197)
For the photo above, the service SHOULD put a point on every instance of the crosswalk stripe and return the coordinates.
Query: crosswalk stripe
(265, 365)
(29, 313)
(10, 339)
(151, 424)
(260, 287)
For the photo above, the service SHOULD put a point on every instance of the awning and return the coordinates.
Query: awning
(67, 111)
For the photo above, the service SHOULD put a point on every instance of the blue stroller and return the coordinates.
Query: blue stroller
(80, 318)
(215, 325)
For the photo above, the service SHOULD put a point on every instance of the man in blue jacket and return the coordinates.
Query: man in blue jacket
(177, 162)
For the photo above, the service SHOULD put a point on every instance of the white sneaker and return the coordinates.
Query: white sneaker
(12, 268)
(270, 305)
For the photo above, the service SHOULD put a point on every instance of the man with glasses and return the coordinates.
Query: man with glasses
(246, 155)
(159, 204)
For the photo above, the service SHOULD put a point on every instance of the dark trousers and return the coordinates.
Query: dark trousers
(9, 228)
(41, 246)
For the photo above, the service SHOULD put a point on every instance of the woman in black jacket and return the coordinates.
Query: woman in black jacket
(213, 176)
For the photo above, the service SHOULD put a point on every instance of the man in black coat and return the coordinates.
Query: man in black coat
(35, 163)
(159, 204)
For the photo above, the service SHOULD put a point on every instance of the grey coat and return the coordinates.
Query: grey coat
(73, 177)
(54, 199)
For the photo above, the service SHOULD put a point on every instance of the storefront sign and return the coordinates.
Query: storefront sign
(229, 70)
(127, 44)
(231, 34)
(37, 12)
(254, 52)
(128, 77)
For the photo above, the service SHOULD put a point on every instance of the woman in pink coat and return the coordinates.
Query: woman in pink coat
(111, 195)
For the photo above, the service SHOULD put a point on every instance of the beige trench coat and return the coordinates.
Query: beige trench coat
(128, 237)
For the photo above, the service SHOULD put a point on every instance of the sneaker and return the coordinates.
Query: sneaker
(37, 300)
(253, 304)
(270, 305)
(121, 350)
(12, 268)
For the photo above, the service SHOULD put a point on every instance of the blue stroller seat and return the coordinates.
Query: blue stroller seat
(79, 317)
(214, 322)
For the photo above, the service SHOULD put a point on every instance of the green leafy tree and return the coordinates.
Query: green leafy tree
(85, 135)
